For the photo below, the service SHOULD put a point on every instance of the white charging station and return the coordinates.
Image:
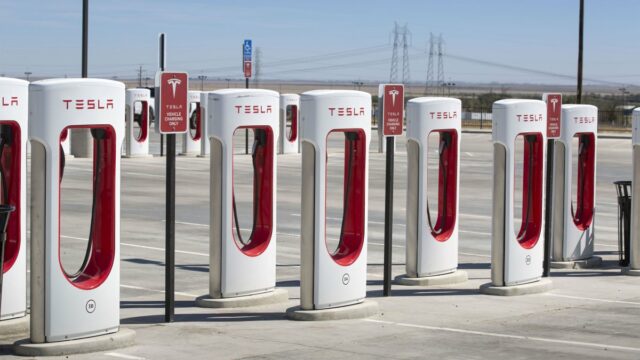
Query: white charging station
(517, 249)
(191, 139)
(242, 267)
(68, 305)
(330, 278)
(138, 102)
(288, 142)
(574, 202)
(432, 226)
(205, 118)
(634, 246)
(13, 175)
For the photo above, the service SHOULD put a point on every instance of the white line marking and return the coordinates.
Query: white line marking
(475, 232)
(594, 299)
(509, 336)
(157, 291)
(124, 356)
(468, 154)
(474, 254)
(379, 244)
(162, 249)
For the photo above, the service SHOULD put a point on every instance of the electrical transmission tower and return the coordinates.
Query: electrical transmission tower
(441, 63)
(393, 75)
(258, 65)
(405, 54)
(432, 50)
(140, 76)
(401, 37)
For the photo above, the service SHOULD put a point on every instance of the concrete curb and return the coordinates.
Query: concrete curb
(458, 276)
(14, 327)
(630, 271)
(543, 285)
(362, 310)
(123, 338)
(137, 156)
(590, 263)
(273, 297)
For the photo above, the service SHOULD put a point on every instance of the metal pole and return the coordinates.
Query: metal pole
(85, 37)
(548, 216)
(246, 131)
(388, 217)
(170, 213)
(580, 47)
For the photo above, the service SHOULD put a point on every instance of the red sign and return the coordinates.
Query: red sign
(172, 107)
(554, 113)
(392, 109)
(247, 69)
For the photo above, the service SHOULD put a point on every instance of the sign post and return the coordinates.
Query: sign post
(392, 103)
(554, 112)
(247, 49)
(172, 108)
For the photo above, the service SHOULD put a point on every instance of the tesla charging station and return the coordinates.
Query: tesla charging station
(137, 122)
(288, 142)
(204, 120)
(334, 278)
(517, 246)
(69, 304)
(242, 268)
(191, 139)
(13, 179)
(574, 202)
(432, 227)
(634, 260)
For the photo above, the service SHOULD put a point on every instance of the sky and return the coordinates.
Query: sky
(329, 40)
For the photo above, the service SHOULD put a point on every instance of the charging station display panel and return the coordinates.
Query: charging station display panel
(13, 139)
(289, 124)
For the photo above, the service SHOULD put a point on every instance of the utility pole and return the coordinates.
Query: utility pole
(140, 76)
(202, 78)
(27, 74)
(580, 47)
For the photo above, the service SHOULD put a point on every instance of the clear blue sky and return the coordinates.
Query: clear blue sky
(205, 36)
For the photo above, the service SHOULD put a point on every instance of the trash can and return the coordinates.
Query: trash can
(623, 187)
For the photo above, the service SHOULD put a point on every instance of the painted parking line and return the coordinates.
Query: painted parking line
(508, 336)
(133, 287)
(124, 356)
(594, 299)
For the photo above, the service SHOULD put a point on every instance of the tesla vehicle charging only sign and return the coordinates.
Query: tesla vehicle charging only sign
(172, 106)
(392, 109)
(554, 111)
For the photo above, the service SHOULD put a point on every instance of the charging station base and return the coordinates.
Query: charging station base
(592, 262)
(273, 297)
(458, 276)
(14, 327)
(190, 154)
(630, 271)
(540, 286)
(143, 156)
(122, 338)
(361, 310)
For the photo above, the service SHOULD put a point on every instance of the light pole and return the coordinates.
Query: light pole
(202, 78)
(27, 74)
(228, 80)
(624, 92)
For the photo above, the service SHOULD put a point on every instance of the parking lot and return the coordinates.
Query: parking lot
(590, 314)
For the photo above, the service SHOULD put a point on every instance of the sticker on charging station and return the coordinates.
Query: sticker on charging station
(173, 110)
(554, 113)
(392, 109)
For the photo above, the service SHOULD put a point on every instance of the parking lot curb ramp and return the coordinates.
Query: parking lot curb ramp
(590, 263)
(541, 286)
(123, 338)
(456, 277)
(273, 297)
(362, 310)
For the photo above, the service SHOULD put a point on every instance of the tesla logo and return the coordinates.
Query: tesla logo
(393, 94)
(529, 117)
(253, 109)
(174, 82)
(88, 104)
(554, 101)
(444, 114)
(90, 306)
(584, 119)
(527, 260)
(345, 279)
(9, 101)
(347, 111)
